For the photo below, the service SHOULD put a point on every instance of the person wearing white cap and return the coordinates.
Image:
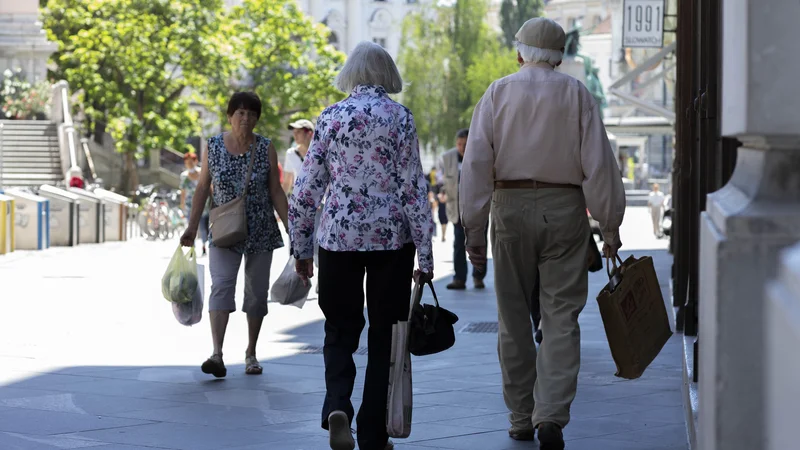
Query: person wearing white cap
(303, 132)
(536, 156)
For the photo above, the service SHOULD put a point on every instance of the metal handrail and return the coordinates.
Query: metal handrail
(88, 153)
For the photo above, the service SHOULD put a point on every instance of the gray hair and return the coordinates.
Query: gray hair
(369, 64)
(531, 54)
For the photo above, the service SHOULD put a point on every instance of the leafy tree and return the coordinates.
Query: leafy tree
(287, 60)
(423, 60)
(134, 61)
(449, 57)
(513, 13)
(494, 63)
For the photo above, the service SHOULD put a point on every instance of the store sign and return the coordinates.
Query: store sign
(643, 24)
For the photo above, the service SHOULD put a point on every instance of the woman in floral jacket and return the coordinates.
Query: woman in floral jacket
(376, 216)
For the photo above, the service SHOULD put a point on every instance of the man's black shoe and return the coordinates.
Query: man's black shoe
(550, 437)
(539, 336)
(520, 434)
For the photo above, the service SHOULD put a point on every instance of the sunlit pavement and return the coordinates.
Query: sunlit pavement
(92, 357)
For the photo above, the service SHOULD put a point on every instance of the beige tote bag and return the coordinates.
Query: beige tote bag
(228, 222)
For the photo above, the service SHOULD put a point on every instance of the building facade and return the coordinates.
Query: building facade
(353, 21)
(23, 43)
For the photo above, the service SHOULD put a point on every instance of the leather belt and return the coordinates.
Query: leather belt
(531, 184)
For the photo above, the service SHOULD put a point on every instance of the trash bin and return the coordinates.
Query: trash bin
(116, 215)
(91, 216)
(32, 221)
(6, 224)
(64, 224)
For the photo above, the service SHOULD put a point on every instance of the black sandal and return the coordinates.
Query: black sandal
(214, 366)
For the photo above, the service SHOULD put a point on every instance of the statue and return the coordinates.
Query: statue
(572, 50)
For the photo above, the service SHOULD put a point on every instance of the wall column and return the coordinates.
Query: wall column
(748, 221)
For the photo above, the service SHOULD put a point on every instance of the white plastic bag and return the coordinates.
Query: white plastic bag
(289, 288)
(191, 313)
(400, 399)
(179, 283)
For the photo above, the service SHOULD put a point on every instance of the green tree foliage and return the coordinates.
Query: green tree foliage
(513, 13)
(494, 63)
(449, 57)
(424, 62)
(133, 61)
(143, 67)
(287, 60)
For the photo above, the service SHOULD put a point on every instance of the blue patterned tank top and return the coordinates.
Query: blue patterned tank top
(227, 179)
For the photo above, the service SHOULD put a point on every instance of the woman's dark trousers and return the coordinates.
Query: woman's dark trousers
(341, 298)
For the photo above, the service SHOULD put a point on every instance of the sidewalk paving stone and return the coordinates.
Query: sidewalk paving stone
(108, 368)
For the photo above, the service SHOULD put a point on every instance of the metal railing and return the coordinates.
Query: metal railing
(88, 153)
(1, 153)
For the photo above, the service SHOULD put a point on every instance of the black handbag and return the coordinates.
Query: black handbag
(594, 259)
(430, 326)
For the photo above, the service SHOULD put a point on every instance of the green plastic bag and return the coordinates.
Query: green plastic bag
(179, 283)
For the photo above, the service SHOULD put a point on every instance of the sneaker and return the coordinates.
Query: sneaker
(550, 437)
(478, 283)
(457, 285)
(214, 366)
(340, 435)
(520, 434)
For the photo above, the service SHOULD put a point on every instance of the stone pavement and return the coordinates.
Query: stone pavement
(91, 357)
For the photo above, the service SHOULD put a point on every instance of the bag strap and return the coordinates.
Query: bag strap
(252, 153)
(433, 291)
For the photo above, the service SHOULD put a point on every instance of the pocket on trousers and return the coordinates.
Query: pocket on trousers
(506, 222)
(568, 225)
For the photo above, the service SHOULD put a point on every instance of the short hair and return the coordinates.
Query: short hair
(369, 64)
(244, 100)
(532, 54)
(462, 133)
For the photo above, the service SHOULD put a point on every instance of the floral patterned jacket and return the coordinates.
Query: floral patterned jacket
(366, 154)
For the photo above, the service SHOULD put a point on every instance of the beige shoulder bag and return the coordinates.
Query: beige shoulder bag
(228, 222)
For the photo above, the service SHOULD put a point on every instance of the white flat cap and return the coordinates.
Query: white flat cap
(542, 33)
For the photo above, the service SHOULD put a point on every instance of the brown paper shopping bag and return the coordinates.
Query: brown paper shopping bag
(634, 315)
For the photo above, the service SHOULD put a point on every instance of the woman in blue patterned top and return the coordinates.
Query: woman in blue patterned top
(376, 217)
(225, 164)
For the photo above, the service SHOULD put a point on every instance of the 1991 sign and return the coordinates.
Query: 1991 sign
(643, 24)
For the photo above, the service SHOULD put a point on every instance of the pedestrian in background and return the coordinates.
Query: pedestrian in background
(189, 180)
(302, 131)
(449, 173)
(537, 154)
(655, 202)
(225, 168)
(439, 202)
(376, 217)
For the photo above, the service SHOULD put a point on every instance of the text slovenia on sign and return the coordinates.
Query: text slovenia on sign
(643, 24)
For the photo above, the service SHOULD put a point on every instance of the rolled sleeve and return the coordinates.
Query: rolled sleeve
(309, 188)
(602, 185)
(414, 195)
(477, 173)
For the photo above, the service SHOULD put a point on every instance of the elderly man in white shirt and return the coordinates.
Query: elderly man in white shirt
(537, 156)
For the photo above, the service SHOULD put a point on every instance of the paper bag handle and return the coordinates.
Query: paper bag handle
(616, 277)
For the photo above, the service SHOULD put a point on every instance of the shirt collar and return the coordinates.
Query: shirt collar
(540, 65)
(368, 89)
